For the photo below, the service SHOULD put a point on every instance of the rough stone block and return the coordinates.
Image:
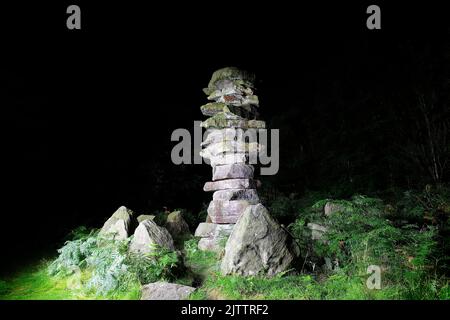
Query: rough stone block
(233, 171)
(225, 212)
(230, 184)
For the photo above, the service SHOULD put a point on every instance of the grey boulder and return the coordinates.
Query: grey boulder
(147, 235)
(118, 225)
(176, 225)
(165, 291)
(258, 245)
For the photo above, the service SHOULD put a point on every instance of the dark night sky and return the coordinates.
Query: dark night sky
(88, 114)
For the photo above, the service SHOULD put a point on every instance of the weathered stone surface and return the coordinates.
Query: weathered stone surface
(230, 147)
(233, 171)
(229, 77)
(147, 234)
(205, 230)
(230, 184)
(237, 194)
(228, 159)
(224, 123)
(258, 244)
(176, 225)
(118, 224)
(212, 108)
(317, 231)
(143, 217)
(209, 230)
(256, 124)
(213, 236)
(220, 135)
(220, 148)
(232, 123)
(226, 211)
(165, 291)
(212, 244)
(331, 208)
(119, 230)
(234, 98)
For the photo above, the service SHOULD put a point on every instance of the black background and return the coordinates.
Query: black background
(87, 114)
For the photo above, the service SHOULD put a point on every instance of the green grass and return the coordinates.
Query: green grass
(34, 283)
(338, 286)
(411, 254)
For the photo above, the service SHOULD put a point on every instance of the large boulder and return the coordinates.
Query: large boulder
(118, 225)
(258, 244)
(148, 234)
(165, 291)
(176, 225)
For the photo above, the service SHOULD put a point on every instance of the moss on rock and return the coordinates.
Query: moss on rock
(234, 74)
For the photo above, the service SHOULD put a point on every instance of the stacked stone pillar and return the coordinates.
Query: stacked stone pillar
(230, 150)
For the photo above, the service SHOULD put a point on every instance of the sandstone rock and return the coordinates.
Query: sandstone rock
(331, 208)
(250, 100)
(258, 244)
(214, 135)
(228, 159)
(212, 108)
(212, 244)
(249, 195)
(118, 224)
(221, 135)
(256, 124)
(213, 236)
(144, 217)
(233, 171)
(229, 77)
(224, 123)
(147, 234)
(234, 98)
(119, 230)
(209, 230)
(220, 148)
(165, 291)
(176, 225)
(317, 231)
(230, 184)
(205, 230)
(226, 211)
(220, 122)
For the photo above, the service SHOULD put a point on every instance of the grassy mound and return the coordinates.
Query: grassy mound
(405, 237)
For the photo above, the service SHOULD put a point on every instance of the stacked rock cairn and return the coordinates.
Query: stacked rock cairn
(231, 148)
